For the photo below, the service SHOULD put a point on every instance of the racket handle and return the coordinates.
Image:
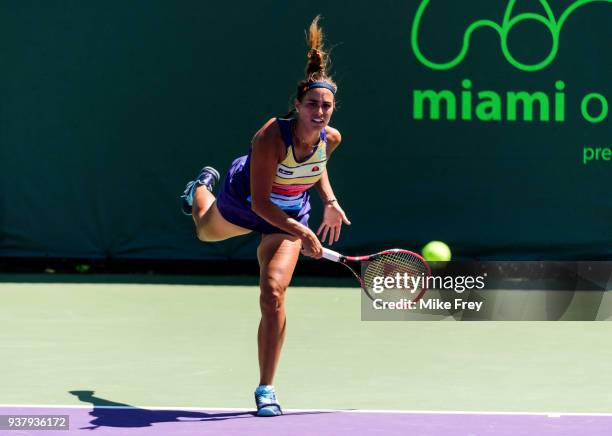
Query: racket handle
(332, 255)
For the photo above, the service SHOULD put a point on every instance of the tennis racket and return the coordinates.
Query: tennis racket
(388, 263)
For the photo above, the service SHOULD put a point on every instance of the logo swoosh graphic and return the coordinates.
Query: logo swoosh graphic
(548, 20)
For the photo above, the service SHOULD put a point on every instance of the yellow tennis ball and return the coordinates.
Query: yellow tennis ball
(436, 251)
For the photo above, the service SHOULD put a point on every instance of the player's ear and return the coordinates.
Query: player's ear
(297, 104)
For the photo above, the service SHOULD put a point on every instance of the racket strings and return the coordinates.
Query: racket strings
(406, 264)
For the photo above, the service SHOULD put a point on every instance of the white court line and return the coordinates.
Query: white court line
(240, 409)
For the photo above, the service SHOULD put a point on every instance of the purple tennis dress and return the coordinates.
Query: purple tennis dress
(289, 190)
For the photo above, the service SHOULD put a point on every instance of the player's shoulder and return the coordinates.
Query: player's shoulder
(269, 131)
(333, 137)
(333, 134)
(269, 137)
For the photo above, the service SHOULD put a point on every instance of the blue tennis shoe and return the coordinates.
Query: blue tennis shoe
(208, 177)
(265, 399)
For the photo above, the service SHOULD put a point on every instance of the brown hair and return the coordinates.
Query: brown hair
(317, 63)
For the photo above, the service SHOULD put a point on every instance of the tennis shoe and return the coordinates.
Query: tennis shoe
(208, 177)
(265, 399)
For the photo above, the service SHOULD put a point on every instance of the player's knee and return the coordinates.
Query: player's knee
(206, 234)
(272, 298)
(203, 234)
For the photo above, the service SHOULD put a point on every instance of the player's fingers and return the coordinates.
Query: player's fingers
(338, 232)
(345, 219)
(309, 250)
(320, 229)
(325, 230)
(332, 232)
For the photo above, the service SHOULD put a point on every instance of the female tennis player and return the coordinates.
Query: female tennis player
(266, 191)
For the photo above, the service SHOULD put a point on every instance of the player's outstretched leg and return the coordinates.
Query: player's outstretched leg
(277, 255)
(199, 202)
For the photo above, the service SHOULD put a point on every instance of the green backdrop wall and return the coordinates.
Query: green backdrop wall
(108, 108)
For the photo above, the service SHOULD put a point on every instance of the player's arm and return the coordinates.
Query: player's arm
(333, 215)
(323, 186)
(267, 151)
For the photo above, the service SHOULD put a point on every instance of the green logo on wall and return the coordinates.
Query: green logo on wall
(553, 25)
(490, 105)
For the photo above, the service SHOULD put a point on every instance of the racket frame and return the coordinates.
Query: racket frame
(334, 256)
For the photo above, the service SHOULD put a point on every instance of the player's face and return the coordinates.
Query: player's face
(316, 108)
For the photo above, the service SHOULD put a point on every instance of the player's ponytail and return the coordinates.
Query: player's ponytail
(316, 67)
(316, 73)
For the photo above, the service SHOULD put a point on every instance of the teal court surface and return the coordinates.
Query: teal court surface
(160, 359)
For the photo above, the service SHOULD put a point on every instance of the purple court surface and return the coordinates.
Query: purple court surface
(177, 421)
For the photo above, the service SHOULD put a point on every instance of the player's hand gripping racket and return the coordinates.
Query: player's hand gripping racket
(411, 267)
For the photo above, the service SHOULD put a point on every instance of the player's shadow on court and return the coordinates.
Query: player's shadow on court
(108, 413)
